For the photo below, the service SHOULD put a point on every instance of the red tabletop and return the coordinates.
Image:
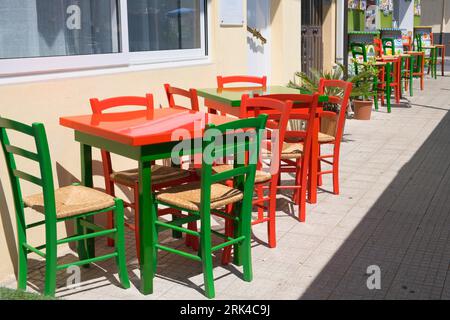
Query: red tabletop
(138, 128)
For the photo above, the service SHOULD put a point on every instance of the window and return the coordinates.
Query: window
(55, 35)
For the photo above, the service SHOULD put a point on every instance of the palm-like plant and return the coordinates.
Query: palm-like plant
(363, 82)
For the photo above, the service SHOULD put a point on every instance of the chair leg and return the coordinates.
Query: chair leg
(22, 258)
(302, 194)
(226, 252)
(271, 224)
(192, 241)
(319, 169)
(245, 246)
(336, 174)
(121, 259)
(110, 215)
(296, 195)
(176, 234)
(50, 260)
(207, 261)
(136, 222)
(260, 195)
(81, 244)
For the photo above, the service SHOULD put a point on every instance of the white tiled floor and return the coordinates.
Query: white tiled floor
(393, 211)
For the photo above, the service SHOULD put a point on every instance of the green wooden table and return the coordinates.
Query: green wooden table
(145, 138)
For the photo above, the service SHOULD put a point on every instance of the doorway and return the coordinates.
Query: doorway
(311, 33)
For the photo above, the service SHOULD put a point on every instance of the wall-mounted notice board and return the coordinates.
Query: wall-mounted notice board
(231, 13)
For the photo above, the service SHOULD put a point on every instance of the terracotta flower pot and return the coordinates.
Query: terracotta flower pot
(363, 109)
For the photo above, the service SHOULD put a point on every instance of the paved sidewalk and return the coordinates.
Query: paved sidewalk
(393, 212)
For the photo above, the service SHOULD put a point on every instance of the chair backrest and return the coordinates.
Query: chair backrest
(407, 43)
(278, 113)
(98, 106)
(41, 156)
(341, 90)
(359, 53)
(221, 81)
(239, 140)
(171, 92)
(388, 46)
(378, 47)
(308, 102)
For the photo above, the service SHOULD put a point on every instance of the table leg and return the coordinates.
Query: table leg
(147, 232)
(411, 76)
(443, 60)
(87, 181)
(312, 192)
(388, 87)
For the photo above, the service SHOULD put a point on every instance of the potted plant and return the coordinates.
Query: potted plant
(310, 83)
(364, 90)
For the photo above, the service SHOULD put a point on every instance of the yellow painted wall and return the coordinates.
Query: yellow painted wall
(47, 101)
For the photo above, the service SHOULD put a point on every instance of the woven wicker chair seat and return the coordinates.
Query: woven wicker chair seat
(160, 174)
(187, 196)
(325, 138)
(261, 176)
(72, 200)
(291, 150)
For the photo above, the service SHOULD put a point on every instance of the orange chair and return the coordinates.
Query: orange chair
(221, 81)
(162, 176)
(407, 43)
(296, 153)
(171, 92)
(341, 91)
(278, 112)
(378, 44)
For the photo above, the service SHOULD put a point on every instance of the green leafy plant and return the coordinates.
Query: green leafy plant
(363, 82)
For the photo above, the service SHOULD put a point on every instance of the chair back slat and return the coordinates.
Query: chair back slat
(222, 81)
(171, 92)
(98, 106)
(28, 177)
(22, 152)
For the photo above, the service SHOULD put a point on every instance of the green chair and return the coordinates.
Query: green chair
(239, 139)
(68, 203)
(388, 44)
(431, 58)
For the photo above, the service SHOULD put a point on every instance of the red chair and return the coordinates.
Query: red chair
(162, 176)
(221, 81)
(395, 77)
(278, 112)
(171, 92)
(378, 45)
(297, 151)
(340, 91)
(407, 43)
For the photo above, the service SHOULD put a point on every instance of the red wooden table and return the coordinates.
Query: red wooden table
(145, 137)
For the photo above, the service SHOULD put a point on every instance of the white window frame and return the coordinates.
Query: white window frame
(44, 65)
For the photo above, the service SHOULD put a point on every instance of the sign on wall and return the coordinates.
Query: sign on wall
(231, 12)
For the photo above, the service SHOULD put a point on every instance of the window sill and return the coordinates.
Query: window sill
(104, 71)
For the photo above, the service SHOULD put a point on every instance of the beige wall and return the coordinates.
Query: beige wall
(47, 101)
(432, 14)
(329, 34)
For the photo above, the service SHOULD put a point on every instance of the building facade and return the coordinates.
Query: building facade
(54, 58)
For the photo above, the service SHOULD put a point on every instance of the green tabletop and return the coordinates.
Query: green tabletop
(232, 96)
